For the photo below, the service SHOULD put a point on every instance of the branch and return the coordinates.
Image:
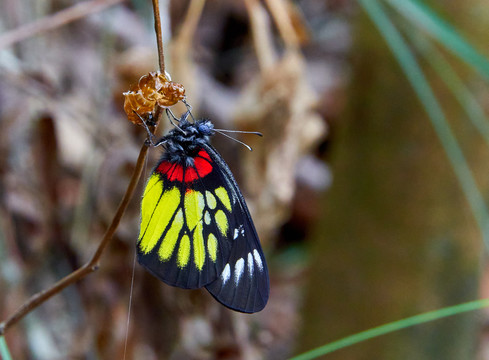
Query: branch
(261, 34)
(92, 264)
(159, 37)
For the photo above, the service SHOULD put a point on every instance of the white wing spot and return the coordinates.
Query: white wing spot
(250, 264)
(258, 261)
(207, 217)
(226, 274)
(238, 231)
(238, 269)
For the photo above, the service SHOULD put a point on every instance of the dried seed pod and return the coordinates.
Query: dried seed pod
(153, 88)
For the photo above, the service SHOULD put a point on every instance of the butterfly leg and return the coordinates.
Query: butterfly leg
(189, 109)
(150, 138)
(172, 117)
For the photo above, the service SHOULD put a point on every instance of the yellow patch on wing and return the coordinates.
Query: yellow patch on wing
(168, 244)
(151, 196)
(194, 207)
(183, 251)
(156, 211)
(212, 247)
(222, 194)
(222, 222)
(199, 248)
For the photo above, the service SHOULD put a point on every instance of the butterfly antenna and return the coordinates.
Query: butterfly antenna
(230, 137)
(239, 131)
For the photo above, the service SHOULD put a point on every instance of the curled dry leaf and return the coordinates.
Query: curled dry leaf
(151, 90)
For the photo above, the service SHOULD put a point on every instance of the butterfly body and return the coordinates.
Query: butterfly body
(196, 230)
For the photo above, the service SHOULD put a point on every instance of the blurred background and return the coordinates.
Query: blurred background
(368, 189)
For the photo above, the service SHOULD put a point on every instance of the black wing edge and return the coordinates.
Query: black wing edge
(248, 293)
(244, 283)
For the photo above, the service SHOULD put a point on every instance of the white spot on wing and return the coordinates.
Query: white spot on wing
(258, 261)
(226, 274)
(207, 217)
(250, 264)
(238, 270)
(238, 231)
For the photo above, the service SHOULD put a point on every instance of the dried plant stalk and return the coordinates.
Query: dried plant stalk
(93, 264)
(282, 102)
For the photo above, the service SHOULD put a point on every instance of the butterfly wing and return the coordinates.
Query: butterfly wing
(196, 231)
(243, 283)
(182, 223)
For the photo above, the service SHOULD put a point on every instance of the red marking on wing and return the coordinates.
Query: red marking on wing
(202, 163)
(172, 171)
(190, 174)
(202, 167)
(164, 167)
(204, 154)
(177, 173)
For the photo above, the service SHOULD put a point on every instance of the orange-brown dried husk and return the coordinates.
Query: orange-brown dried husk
(152, 88)
(151, 84)
(135, 102)
(170, 93)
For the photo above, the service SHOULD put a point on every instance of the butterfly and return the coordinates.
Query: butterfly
(196, 230)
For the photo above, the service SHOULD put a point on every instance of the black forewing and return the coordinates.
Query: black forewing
(243, 283)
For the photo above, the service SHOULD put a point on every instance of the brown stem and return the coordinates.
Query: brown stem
(54, 21)
(189, 25)
(92, 264)
(159, 36)
(262, 34)
(284, 24)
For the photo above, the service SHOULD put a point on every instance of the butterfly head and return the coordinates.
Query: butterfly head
(185, 141)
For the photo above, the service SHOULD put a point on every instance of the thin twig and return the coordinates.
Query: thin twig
(182, 46)
(159, 36)
(282, 19)
(262, 37)
(54, 21)
(92, 264)
(189, 25)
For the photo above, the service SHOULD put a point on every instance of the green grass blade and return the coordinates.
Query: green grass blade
(4, 352)
(422, 16)
(393, 326)
(435, 113)
(449, 76)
